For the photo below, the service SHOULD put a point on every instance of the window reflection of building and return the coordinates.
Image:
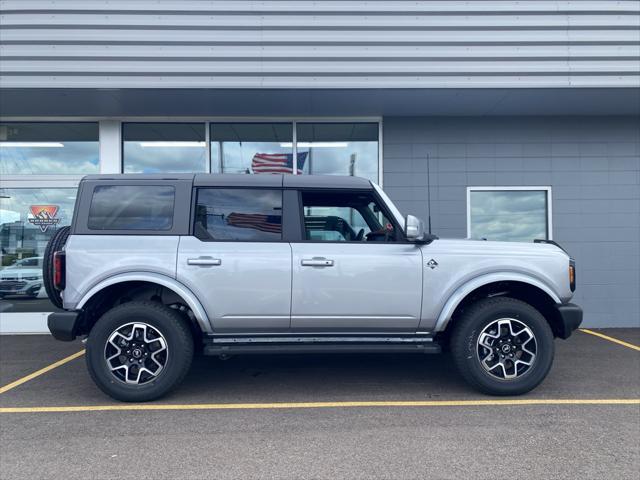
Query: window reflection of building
(21, 288)
(515, 214)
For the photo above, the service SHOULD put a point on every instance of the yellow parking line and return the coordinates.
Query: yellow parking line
(611, 339)
(299, 405)
(46, 369)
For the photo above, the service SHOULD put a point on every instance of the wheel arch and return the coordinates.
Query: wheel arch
(522, 287)
(151, 279)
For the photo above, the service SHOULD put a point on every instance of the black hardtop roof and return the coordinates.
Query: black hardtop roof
(239, 180)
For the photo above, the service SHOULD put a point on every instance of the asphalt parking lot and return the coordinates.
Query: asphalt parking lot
(319, 416)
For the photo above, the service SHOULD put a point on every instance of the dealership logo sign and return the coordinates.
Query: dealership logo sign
(43, 216)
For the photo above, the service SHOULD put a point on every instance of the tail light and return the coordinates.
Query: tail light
(572, 275)
(58, 270)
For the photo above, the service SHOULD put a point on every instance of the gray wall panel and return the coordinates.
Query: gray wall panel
(592, 165)
(319, 44)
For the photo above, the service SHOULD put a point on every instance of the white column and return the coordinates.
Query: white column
(110, 146)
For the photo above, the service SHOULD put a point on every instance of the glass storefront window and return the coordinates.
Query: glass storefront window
(252, 148)
(164, 147)
(515, 215)
(339, 149)
(60, 148)
(28, 219)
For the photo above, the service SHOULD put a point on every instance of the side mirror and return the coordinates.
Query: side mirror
(414, 229)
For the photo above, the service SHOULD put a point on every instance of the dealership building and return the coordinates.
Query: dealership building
(501, 120)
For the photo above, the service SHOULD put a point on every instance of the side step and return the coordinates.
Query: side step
(226, 345)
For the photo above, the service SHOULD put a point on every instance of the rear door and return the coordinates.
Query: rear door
(352, 270)
(236, 261)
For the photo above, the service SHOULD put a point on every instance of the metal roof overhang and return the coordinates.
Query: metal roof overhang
(155, 102)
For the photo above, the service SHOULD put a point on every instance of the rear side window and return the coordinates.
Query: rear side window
(239, 214)
(132, 207)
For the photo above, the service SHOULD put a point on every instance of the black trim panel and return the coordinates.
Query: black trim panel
(63, 325)
(570, 316)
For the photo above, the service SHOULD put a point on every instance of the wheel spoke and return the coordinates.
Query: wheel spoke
(131, 348)
(506, 348)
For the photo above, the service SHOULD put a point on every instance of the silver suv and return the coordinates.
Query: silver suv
(157, 267)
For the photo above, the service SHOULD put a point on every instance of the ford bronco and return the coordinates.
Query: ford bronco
(156, 267)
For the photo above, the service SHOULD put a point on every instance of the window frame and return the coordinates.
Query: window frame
(99, 187)
(546, 189)
(207, 143)
(52, 178)
(286, 228)
(181, 202)
(301, 237)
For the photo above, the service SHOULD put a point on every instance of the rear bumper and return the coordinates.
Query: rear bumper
(63, 325)
(570, 316)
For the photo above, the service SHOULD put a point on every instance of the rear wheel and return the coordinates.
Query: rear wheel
(55, 244)
(502, 346)
(139, 351)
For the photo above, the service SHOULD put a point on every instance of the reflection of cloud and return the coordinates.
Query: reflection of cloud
(74, 158)
(7, 216)
(508, 215)
(138, 159)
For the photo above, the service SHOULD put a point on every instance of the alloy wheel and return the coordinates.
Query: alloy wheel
(506, 348)
(136, 353)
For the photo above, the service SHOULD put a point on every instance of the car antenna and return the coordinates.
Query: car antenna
(429, 192)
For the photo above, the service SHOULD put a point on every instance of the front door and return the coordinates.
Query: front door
(237, 263)
(352, 272)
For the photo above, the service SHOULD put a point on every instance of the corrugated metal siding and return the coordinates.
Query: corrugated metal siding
(319, 44)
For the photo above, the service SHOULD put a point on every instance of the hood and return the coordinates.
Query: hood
(20, 273)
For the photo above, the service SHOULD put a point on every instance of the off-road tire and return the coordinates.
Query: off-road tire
(179, 344)
(469, 326)
(55, 244)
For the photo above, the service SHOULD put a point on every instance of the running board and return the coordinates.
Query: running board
(226, 345)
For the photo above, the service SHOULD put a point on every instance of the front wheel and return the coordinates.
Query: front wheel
(139, 351)
(502, 346)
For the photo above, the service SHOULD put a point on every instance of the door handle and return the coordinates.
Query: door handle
(316, 262)
(204, 261)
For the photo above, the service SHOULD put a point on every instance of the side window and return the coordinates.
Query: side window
(238, 214)
(132, 207)
(345, 217)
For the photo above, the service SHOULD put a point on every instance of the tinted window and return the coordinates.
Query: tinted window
(253, 148)
(508, 215)
(345, 217)
(339, 149)
(164, 147)
(239, 214)
(132, 207)
(59, 148)
(29, 217)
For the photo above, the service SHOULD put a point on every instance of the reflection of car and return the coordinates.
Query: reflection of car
(23, 278)
(155, 267)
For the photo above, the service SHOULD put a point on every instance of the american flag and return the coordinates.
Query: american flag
(256, 221)
(277, 162)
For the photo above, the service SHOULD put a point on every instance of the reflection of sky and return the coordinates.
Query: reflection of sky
(73, 158)
(322, 160)
(139, 159)
(516, 216)
(336, 160)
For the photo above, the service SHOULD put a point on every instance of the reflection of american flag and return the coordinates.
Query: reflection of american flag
(277, 162)
(256, 221)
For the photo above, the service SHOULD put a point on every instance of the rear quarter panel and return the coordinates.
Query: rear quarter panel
(91, 259)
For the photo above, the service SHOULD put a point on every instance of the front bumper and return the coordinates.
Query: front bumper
(63, 325)
(570, 318)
